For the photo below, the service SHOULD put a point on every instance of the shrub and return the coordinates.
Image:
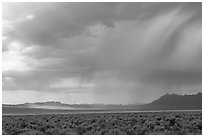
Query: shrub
(105, 123)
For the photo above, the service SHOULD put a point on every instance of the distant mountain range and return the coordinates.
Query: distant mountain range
(165, 102)
(174, 101)
(59, 105)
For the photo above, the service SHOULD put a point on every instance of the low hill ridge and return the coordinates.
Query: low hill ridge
(174, 99)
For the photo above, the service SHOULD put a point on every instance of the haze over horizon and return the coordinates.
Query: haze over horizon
(110, 53)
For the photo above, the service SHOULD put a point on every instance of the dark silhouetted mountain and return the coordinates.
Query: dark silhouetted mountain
(174, 101)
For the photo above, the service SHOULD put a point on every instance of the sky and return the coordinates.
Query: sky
(110, 53)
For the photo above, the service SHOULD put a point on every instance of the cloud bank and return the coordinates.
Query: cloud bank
(101, 52)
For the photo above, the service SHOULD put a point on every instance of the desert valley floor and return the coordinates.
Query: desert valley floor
(111, 123)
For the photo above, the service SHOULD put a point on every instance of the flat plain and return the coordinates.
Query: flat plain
(104, 123)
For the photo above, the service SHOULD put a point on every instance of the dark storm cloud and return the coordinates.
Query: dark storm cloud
(56, 22)
(139, 48)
